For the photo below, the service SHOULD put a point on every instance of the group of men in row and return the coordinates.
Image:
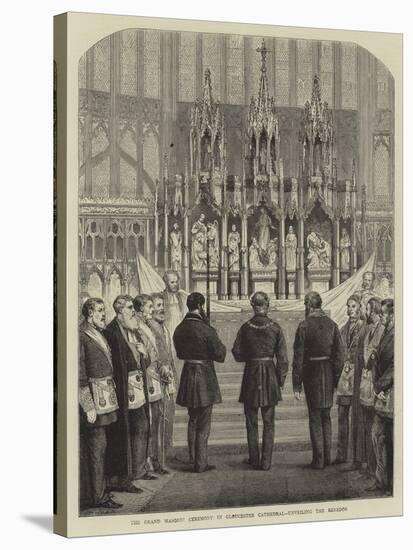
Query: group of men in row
(356, 363)
(128, 383)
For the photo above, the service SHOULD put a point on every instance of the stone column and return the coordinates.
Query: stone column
(244, 257)
(223, 291)
(148, 241)
(186, 251)
(281, 283)
(336, 252)
(300, 259)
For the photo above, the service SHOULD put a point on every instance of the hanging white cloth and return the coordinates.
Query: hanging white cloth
(334, 300)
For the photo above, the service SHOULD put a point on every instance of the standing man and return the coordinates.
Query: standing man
(97, 400)
(143, 305)
(258, 341)
(168, 381)
(129, 438)
(373, 334)
(174, 301)
(348, 389)
(383, 381)
(198, 344)
(366, 291)
(317, 364)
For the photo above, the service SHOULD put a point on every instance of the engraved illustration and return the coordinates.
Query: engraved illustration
(236, 267)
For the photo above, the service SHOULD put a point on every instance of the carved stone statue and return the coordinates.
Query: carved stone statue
(294, 195)
(319, 252)
(262, 229)
(254, 257)
(345, 245)
(237, 191)
(178, 200)
(205, 153)
(263, 160)
(234, 240)
(217, 187)
(217, 153)
(272, 253)
(198, 249)
(198, 252)
(291, 250)
(213, 241)
(175, 243)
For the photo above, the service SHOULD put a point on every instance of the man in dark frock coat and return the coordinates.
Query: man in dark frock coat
(317, 364)
(198, 344)
(128, 440)
(98, 405)
(258, 341)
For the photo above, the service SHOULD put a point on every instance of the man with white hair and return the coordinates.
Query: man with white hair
(175, 309)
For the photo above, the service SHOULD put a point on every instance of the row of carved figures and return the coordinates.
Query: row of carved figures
(263, 250)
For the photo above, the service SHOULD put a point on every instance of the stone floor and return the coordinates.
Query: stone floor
(234, 484)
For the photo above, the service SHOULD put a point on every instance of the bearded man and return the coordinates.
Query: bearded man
(348, 389)
(98, 404)
(166, 369)
(129, 438)
(373, 334)
(143, 305)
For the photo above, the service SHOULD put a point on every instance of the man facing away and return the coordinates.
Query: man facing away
(97, 400)
(129, 438)
(317, 365)
(198, 344)
(348, 390)
(371, 340)
(383, 381)
(258, 341)
(168, 381)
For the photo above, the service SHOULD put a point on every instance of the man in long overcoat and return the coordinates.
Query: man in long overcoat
(198, 344)
(128, 440)
(258, 342)
(317, 364)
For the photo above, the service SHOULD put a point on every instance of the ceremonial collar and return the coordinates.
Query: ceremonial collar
(97, 336)
(317, 313)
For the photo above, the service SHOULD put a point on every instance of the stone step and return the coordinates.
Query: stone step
(234, 412)
(296, 429)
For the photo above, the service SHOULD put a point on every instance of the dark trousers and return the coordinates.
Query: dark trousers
(382, 436)
(251, 418)
(320, 433)
(199, 426)
(139, 431)
(343, 432)
(95, 440)
(367, 417)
